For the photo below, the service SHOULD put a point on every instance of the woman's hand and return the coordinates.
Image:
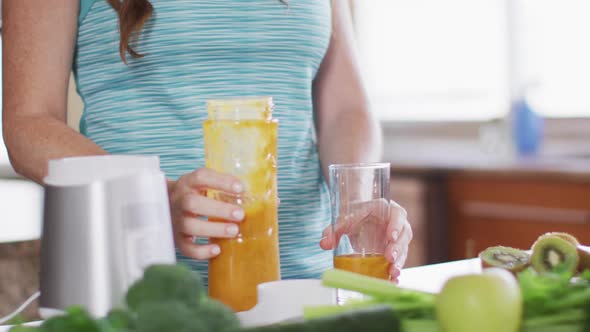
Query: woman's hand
(189, 204)
(377, 219)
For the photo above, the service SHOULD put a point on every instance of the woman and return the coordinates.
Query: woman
(144, 70)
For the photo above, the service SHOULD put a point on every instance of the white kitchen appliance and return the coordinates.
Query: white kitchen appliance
(105, 219)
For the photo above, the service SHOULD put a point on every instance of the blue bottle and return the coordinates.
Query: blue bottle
(527, 128)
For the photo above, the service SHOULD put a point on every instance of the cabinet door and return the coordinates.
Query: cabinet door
(488, 211)
(409, 193)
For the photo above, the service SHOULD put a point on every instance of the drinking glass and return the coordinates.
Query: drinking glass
(359, 195)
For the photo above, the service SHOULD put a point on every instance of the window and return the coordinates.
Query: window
(463, 59)
(557, 55)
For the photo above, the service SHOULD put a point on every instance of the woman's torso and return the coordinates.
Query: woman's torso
(197, 50)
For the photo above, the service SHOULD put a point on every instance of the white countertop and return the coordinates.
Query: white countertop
(21, 204)
(283, 300)
(431, 278)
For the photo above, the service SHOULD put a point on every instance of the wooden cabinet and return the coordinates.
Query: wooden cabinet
(485, 211)
(422, 199)
(410, 193)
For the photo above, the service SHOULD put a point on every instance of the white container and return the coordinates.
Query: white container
(284, 300)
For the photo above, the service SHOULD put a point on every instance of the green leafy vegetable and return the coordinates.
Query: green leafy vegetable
(168, 316)
(219, 317)
(165, 283)
(166, 298)
(119, 320)
(24, 328)
(76, 319)
(554, 299)
(18, 319)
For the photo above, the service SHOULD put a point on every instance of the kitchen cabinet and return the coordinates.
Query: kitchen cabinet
(422, 199)
(487, 210)
(410, 193)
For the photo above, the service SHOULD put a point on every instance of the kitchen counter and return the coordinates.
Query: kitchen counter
(469, 197)
(431, 278)
(446, 157)
(428, 278)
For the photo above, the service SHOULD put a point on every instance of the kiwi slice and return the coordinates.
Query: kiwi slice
(566, 236)
(551, 253)
(511, 259)
(584, 254)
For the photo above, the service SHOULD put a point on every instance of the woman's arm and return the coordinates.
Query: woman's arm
(38, 44)
(347, 131)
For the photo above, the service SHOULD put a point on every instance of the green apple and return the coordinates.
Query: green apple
(486, 302)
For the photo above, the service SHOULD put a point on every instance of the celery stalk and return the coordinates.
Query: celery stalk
(420, 325)
(573, 300)
(575, 316)
(374, 287)
(554, 328)
(402, 309)
(319, 311)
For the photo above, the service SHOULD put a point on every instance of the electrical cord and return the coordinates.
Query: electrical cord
(20, 309)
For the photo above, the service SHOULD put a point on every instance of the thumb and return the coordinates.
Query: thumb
(327, 241)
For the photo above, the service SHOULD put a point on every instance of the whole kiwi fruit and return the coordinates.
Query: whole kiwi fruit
(553, 253)
(584, 254)
(511, 259)
(566, 236)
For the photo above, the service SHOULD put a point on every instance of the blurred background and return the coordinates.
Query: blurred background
(486, 115)
(485, 111)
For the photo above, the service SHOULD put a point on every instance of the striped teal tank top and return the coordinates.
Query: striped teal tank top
(197, 50)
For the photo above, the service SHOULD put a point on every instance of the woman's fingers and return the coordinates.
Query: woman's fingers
(206, 178)
(381, 213)
(327, 241)
(398, 218)
(360, 213)
(201, 252)
(394, 272)
(400, 235)
(397, 252)
(200, 228)
(329, 238)
(199, 205)
(188, 203)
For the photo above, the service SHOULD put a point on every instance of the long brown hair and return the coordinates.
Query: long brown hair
(132, 16)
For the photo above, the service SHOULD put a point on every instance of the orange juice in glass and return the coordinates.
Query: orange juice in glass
(373, 265)
(241, 139)
(359, 196)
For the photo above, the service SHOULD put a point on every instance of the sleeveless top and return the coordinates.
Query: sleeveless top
(197, 50)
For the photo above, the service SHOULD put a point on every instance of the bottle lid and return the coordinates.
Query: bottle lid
(241, 108)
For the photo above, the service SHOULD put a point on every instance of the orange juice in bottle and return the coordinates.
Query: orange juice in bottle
(241, 139)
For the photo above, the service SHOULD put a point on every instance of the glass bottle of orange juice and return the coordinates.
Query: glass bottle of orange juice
(241, 139)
